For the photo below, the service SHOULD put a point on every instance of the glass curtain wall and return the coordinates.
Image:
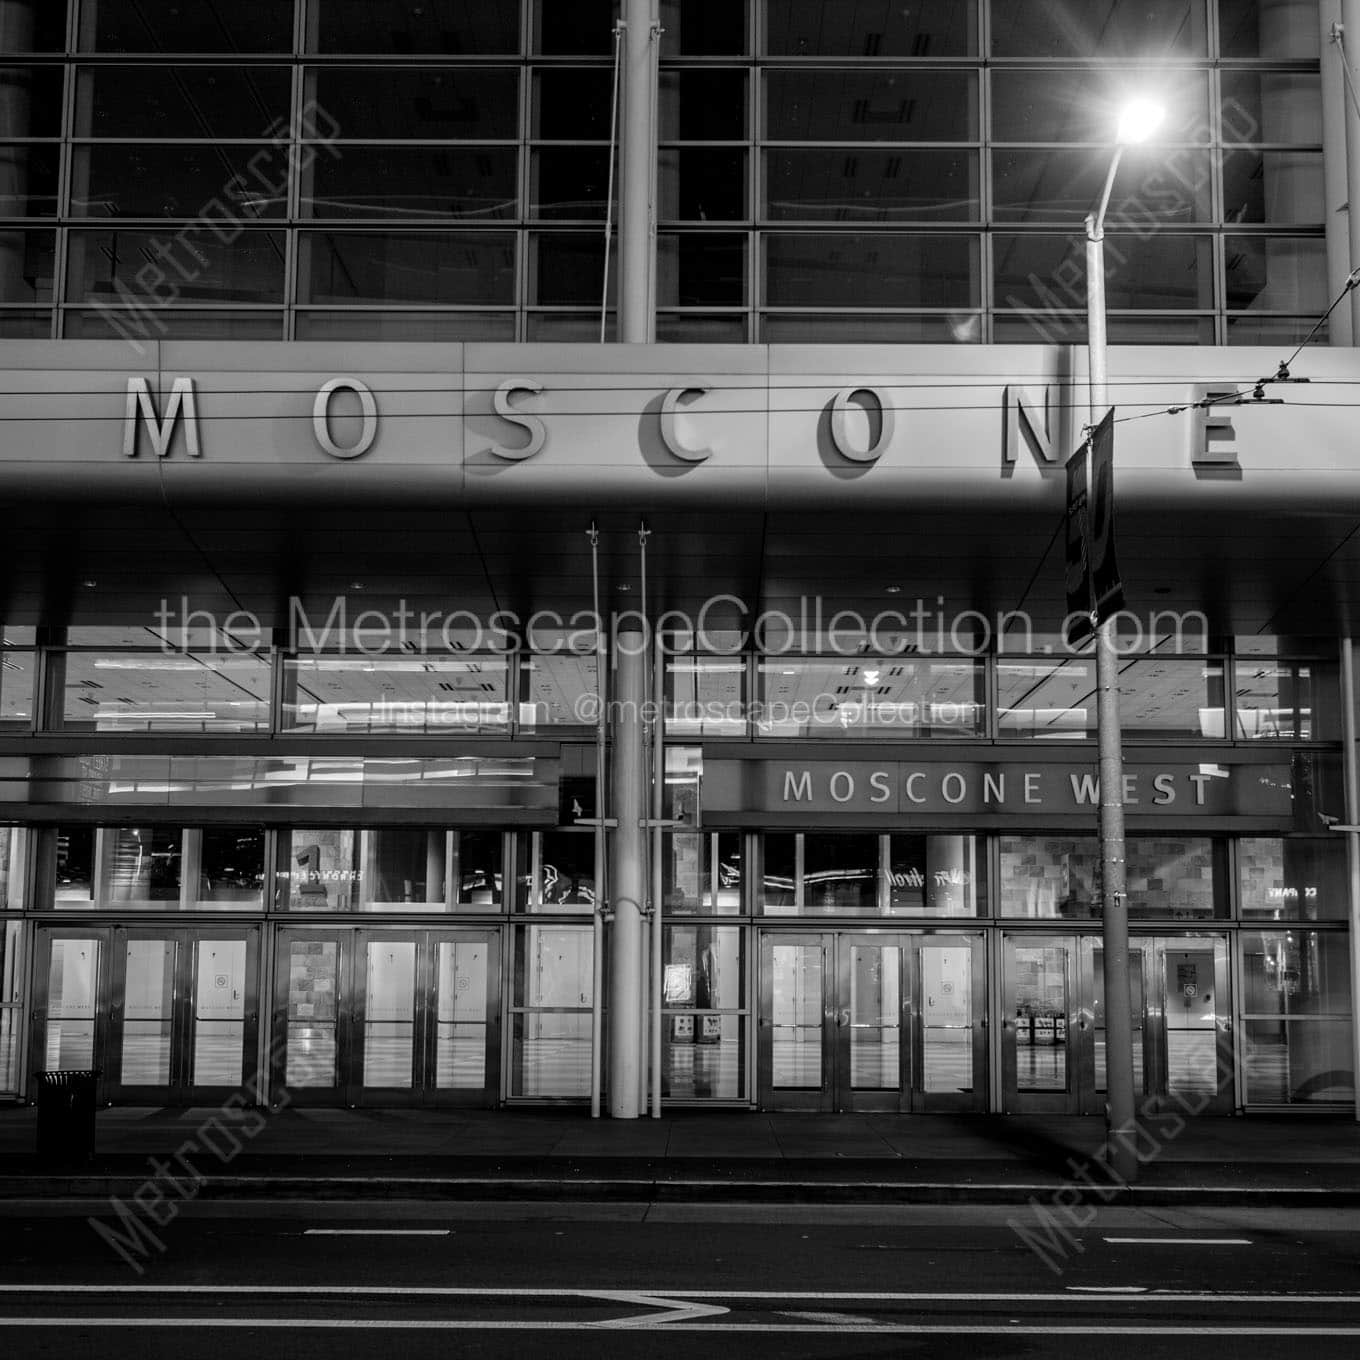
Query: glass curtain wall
(825, 172)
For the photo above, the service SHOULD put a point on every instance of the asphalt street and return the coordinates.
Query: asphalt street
(319, 1279)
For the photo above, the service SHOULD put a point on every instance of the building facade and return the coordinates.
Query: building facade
(534, 562)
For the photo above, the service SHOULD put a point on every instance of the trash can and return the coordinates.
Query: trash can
(66, 1109)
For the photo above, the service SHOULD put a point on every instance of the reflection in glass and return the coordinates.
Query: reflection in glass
(149, 179)
(1292, 878)
(557, 689)
(310, 1036)
(703, 995)
(475, 268)
(410, 182)
(1276, 274)
(381, 694)
(1039, 986)
(418, 103)
(940, 875)
(887, 104)
(14, 843)
(702, 873)
(140, 864)
(1060, 185)
(1296, 972)
(840, 872)
(72, 989)
(796, 1016)
(1301, 1062)
(880, 270)
(1076, 104)
(556, 871)
(813, 28)
(867, 185)
(1145, 30)
(1286, 701)
(1282, 187)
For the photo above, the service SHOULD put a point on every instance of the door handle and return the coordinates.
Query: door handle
(842, 1018)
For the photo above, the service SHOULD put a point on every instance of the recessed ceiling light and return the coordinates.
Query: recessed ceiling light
(892, 590)
(625, 587)
(356, 585)
(89, 585)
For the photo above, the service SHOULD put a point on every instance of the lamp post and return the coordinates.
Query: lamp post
(1138, 122)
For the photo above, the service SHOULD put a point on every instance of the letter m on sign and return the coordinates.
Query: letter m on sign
(141, 410)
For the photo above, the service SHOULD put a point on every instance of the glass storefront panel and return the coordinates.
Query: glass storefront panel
(14, 843)
(17, 670)
(72, 995)
(1296, 972)
(1041, 1009)
(848, 698)
(839, 872)
(148, 1011)
(1292, 878)
(1299, 1062)
(140, 866)
(205, 692)
(705, 698)
(935, 875)
(11, 1003)
(311, 1039)
(230, 872)
(1287, 701)
(701, 873)
(704, 1007)
(392, 869)
(1177, 878)
(556, 871)
(426, 694)
(559, 690)
(551, 1021)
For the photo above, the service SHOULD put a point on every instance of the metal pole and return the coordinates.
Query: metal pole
(1335, 123)
(644, 964)
(626, 878)
(1352, 837)
(597, 919)
(637, 172)
(1348, 50)
(658, 811)
(1119, 1116)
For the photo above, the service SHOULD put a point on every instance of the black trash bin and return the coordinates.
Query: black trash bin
(66, 1109)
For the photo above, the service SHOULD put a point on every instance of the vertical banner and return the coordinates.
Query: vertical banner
(1107, 589)
(1078, 577)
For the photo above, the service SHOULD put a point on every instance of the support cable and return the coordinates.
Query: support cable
(619, 26)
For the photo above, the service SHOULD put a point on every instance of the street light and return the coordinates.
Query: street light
(1139, 120)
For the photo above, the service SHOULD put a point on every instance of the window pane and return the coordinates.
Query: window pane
(478, 870)
(687, 328)
(439, 326)
(569, 182)
(1280, 107)
(700, 270)
(1169, 878)
(936, 876)
(1254, 28)
(322, 871)
(419, 103)
(1276, 273)
(1109, 29)
(705, 698)
(34, 27)
(1050, 699)
(1152, 187)
(28, 179)
(1292, 879)
(212, 102)
(1288, 701)
(778, 852)
(1296, 972)
(790, 328)
(558, 689)
(413, 182)
(173, 26)
(1053, 329)
(704, 970)
(14, 841)
(339, 267)
(176, 692)
(843, 699)
(18, 325)
(1272, 186)
(152, 180)
(573, 105)
(1276, 330)
(231, 867)
(406, 27)
(1171, 698)
(703, 28)
(705, 184)
(565, 881)
(582, 28)
(1079, 105)
(703, 106)
(687, 873)
(375, 694)
(881, 270)
(866, 185)
(170, 324)
(140, 864)
(30, 100)
(885, 105)
(840, 872)
(551, 1036)
(813, 28)
(16, 688)
(1160, 271)
(1299, 1062)
(567, 269)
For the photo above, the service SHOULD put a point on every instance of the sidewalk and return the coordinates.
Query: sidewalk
(700, 1155)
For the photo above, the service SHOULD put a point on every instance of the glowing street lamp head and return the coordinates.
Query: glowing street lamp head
(1139, 121)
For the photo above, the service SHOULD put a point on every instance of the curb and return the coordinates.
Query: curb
(651, 1190)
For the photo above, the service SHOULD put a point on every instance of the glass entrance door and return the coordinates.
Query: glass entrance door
(388, 1017)
(167, 1015)
(861, 1020)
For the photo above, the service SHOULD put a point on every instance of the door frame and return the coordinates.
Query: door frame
(41, 974)
(181, 1089)
(352, 940)
(836, 1094)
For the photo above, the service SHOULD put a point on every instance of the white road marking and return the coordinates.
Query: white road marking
(376, 1232)
(1183, 1241)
